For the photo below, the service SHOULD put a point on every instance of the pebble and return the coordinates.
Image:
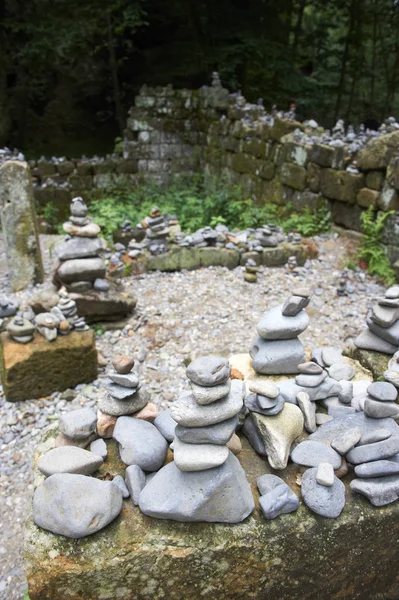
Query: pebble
(74, 505)
(311, 454)
(140, 443)
(219, 434)
(383, 391)
(378, 468)
(207, 395)
(324, 501)
(312, 380)
(120, 482)
(380, 491)
(166, 425)
(331, 355)
(376, 451)
(267, 482)
(346, 441)
(135, 482)
(99, 447)
(275, 326)
(380, 410)
(78, 424)
(322, 418)
(209, 370)
(130, 405)
(345, 395)
(325, 474)
(310, 368)
(264, 388)
(279, 501)
(276, 356)
(105, 424)
(341, 371)
(69, 459)
(198, 457)
(234, 444)
(340, 411)
(308, 409)
(128, 381)
(374, 436)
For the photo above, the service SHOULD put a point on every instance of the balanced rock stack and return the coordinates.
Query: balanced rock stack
(157, 231)
(266, 237)
(81, 267)
(7, 308)
(21, 330)
(61, 319)
(124, 394)
(251, 271)
(203, 469)
(277, 349)
(382, 334)
(265, 398)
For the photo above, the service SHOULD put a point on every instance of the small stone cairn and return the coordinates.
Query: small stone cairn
(382, 334)
(124, 394)
(251, 271)
(157, 232)
(21, 330)
(277, 349)
(81, 267)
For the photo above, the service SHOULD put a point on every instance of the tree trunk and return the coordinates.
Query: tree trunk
(298, 27)
(113, 65)
(5, 122)
(344, 63)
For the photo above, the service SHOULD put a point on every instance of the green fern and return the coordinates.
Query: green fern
(371, 249)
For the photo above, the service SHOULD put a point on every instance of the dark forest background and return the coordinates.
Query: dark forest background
(69, 69)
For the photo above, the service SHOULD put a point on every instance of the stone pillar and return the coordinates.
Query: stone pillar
(18, 221)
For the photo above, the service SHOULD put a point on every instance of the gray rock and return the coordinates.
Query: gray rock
(384, 315)
(222, 494)
(324, 501)
(101, 285)
(340, 411)
(380, 410)
(333, 429)
(218, 434)
(120, 483)
(185, 411)
(253, 404)
(342, 371)
(99, 447)
(140, 443)
(329, 387)
(253, 436)
(392, 292)
(166, 425)
(120, 392)
(383, 391)
(266, 483)
(308, 409)
(81, 269)
(69, 459)
(289, 390)
(74, 505)
(325, 474)
(378, 468)
(78, 424)
(322, 418)
(117, 408)
(377, 435)
(209, 370)
(367, 340)
(135, 482)
(389, 334)
(346, 441)
(311, 454)
(130, 380)
(207, 395)
(331, 355)
(293, 305)
(78, 247)
(198, 457)
(317, 357)
(376, 451)
(310, 380)
(310, 368)
(277, 357)
(279, 501)
(265, 402)
(345, 395)
(275, 326)
(379, 490)
(264, 388)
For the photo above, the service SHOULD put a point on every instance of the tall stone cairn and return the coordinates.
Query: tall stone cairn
(18, 221)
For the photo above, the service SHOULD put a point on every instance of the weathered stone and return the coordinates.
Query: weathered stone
(277, 356)
(99, 447)
(78, 424)
(280, 500)
(219, 434)
(198, 457)
(308, 409)
(207, 395)
(341, 185)
(18, 222)
(293, 175)
(367, 340)
(275, 326)
(135, 482)
(69, 459)
(367, 197)
(375, 451)
(166, 425)
(208, 370)
(323, 500)
(377, 153)
(310, 454)
(378, 468)
(346, 441)
(105, 424)
(117, 408)
(27, 371)
(379, 490)
(79, 247)
(325, 474)
(81, 269)
(104, 306)
(140, 443)
(380, 410)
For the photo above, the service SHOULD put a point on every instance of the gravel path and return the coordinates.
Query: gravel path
(180, 316)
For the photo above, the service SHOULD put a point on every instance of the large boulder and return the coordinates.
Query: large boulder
(378, 152)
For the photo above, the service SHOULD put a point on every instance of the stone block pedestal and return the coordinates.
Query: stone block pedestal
(39, 368)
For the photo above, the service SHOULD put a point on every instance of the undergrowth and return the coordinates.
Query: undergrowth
(371, 249)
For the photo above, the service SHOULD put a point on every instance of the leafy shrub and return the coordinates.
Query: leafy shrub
(371, 249)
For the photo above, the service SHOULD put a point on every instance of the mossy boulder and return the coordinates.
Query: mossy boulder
(376, 362)
(367, 197)
(341, 185)
(377, 153)
(293, 175)
(40, 368)
(326, 156)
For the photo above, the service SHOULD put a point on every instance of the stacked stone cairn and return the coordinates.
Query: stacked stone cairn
(277, 349)
(21, 330)
(157, 232)
(251, 271)
(203, 467)
(81, 267)
(382, 334)
(7, 310)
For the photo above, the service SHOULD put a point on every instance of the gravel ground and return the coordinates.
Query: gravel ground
(180, 316)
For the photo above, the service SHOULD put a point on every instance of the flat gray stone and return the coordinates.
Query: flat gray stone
(253, 404)
(185, 411)
(331, 355)
(325, 474)
(384, 316)
(120, 392)
(310, 368)
(166, 425)
(304, 380)
(389, 334)
(324, 501)
(383, 391)
(99, 447)
(198, 457)
(140, 443)
(277, 357)
(78, 424)
(69, 459)
(308, 409)
(329, 387)
(74, 505)
(392, 292)
(279, 501)
(340, 411)
(111, 406)
(374, 436)
(120, 483)
(322, 418)
(253, 436)
(289, 390)
(265, 402)
(79, 247)
(135, 482)
(367, 340)
(342, 371)
(333, 429)
(81, 269)
(379, 490)
(293, 305)
(130, 380)
(311, 454)
(207, 395)
(346, 441)
(219, 495)
(380, 410)
(317, 357)
(264, 388)
(266, 483)
(345, 395)
(376, 451)
(378, 468)
(275, 326)
(209, 370)
(218, 434)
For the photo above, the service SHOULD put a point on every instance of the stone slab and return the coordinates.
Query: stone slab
(255, 559)
(104, 306)
(39, 368)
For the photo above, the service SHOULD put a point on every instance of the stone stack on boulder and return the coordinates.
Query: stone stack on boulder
(265, 398)
(204, 472)
(77, 428)
(20, 330)
(276, 497)
(157, 232)
(277, 349)
(81, 267)
(382, 334)
(251, 271)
